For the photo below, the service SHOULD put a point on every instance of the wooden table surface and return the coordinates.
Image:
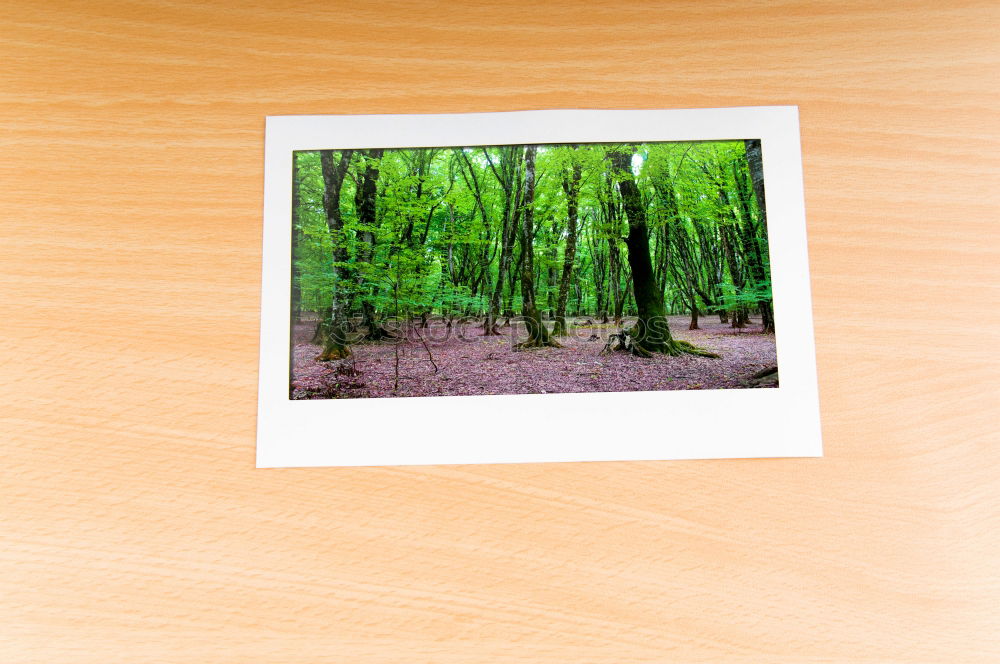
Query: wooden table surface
(135, 527)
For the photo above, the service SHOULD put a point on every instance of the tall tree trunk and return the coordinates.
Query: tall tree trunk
(739, 314)
(552, 279)
(598, 272)
(755, 161)
(571, 186)
(333, 325)
(602, 311)
(612, 232)
(449, 231)
(728, 223)
(483, 279)
(508, 176)
(755, 165)
(538, 335)
(616, 278)
(651, 333)
(366, 204)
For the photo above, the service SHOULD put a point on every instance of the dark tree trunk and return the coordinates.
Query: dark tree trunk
(739, 313)
(755, 161)
(613, 232)
(694, 318)
(598, 273)
(552, 274)
(508, 176)
(756, 167)
(571, 186)
(602, 311)
(322, 326)
(651, 333)
(538, 335)
(483, 280)
(366, 204)
(617, 294)
(333, 327)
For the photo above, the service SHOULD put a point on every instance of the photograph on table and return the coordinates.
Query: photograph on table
(535, 286)
(620, 267)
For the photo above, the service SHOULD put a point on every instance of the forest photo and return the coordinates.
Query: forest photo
(530, 269)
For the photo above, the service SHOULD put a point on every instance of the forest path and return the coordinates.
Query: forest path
(469, 363)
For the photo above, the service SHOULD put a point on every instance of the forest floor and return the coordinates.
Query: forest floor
(469, 363)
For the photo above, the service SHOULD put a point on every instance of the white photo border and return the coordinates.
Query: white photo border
(592, 426)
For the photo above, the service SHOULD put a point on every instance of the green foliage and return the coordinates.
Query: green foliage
(434, 245)
(747, 297)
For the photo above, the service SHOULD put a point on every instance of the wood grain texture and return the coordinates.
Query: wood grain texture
(134, 525)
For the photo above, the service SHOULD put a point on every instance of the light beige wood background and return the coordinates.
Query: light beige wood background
(134, 525)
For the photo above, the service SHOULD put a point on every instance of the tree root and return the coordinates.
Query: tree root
(334, 353)
(766, 378)
(766, 372)
(538, 343)
(378, 333)
(623, 340)
(685, 348)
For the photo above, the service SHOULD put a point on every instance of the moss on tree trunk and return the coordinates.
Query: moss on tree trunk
(651, 334)
(538, 336)
(332, 335)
